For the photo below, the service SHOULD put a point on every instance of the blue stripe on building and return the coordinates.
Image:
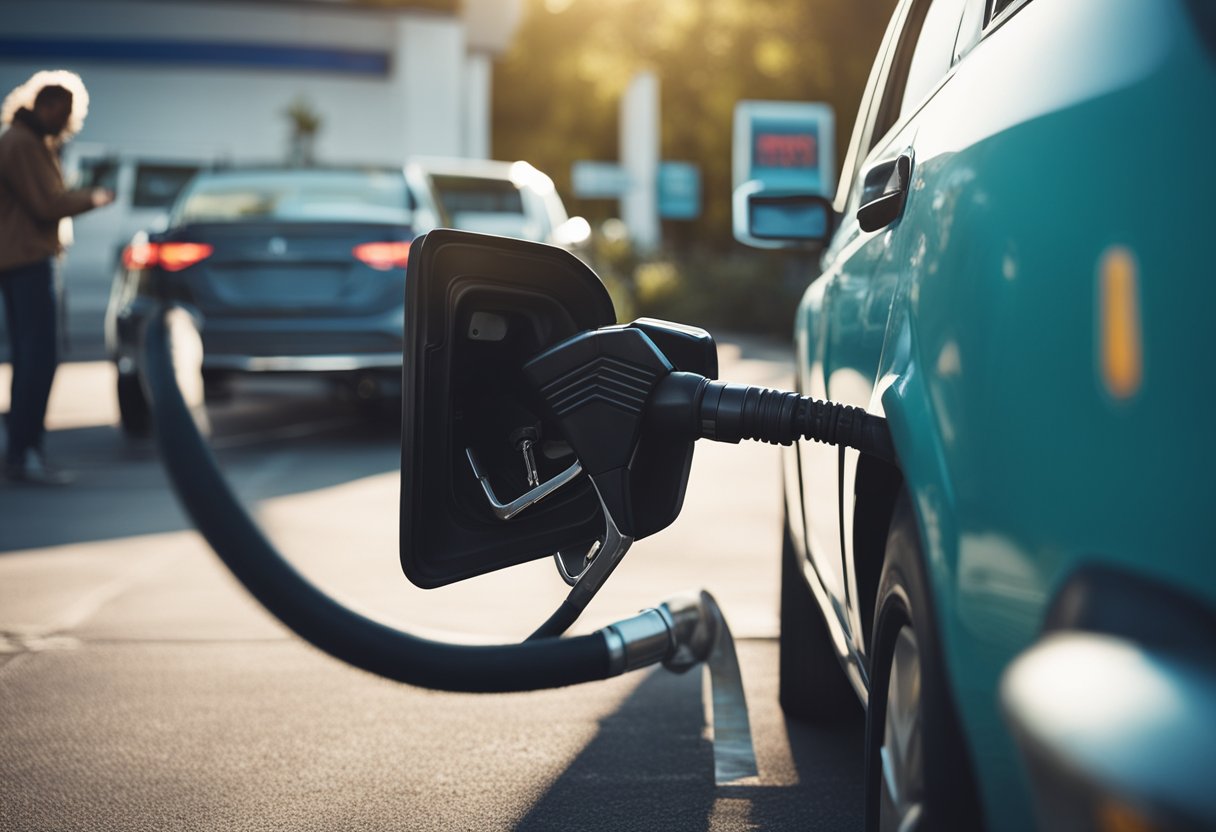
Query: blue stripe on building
(199, 53)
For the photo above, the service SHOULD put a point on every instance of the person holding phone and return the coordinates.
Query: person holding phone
(33, 200)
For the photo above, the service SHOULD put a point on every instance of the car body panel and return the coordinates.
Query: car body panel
(1034, 166)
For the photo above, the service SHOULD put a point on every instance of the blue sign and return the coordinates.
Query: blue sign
(598, 180)
(679, 191)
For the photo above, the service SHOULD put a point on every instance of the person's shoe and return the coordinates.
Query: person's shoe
(36, 471)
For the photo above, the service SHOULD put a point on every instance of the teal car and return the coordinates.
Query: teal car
(1020, 279)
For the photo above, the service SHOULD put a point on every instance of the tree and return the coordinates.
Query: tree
(557, 89)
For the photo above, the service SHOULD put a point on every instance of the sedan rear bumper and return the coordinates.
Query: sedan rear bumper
(277, 345)
(302, 363)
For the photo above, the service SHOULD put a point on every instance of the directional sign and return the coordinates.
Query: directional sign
(598, 180)
(679, 191)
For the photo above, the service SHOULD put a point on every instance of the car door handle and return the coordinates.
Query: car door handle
(884, 192)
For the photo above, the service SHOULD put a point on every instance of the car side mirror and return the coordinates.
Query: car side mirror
(488, 480)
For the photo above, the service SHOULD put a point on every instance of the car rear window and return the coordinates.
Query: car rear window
(156, 186)
(476, 195)
(296, 196)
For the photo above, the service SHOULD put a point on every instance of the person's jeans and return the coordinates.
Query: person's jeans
(29, 304)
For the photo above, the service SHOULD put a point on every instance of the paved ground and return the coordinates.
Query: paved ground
(141, 689)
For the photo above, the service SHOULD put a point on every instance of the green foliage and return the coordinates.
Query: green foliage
(748, 291)
(303, 117)
(556, 92)
(433, 5)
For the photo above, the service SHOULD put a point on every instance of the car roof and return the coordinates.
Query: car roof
(453, 166)
(271, 170)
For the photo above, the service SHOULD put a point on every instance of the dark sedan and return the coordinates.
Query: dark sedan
(284, 271)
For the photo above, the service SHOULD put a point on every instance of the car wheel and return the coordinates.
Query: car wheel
(812, 684)
(132, 406)
(217, 388)
(918, 775)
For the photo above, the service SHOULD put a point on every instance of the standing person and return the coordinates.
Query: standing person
(41, 115)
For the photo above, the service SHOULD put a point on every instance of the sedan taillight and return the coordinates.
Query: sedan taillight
(172, 257)
(383, 256)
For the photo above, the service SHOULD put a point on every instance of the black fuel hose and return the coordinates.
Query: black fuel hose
(731, 412)
(309, 612)
(693, 406)
(563, 619)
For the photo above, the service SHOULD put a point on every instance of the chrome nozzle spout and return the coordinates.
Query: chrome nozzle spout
(680, 633)
(683, 632)
(696, 622)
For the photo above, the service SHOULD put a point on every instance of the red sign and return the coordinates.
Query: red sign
(787, 150)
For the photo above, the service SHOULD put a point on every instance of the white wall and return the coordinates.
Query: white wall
(433, 99)
(478, 89)
(430, 75)
(237, 112)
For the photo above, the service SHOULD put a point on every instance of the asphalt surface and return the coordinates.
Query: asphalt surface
(141, 688)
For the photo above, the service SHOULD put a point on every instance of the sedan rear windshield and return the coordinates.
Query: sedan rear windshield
(474, 194)
(296, 196)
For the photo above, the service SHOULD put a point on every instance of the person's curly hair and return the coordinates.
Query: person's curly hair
(24, 95)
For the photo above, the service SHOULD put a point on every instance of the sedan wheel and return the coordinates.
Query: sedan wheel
(902, 757)
(918, 772)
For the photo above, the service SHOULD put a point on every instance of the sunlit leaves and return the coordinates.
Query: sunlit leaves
(557, 90)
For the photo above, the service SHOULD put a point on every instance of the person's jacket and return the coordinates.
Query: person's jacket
(32, 197)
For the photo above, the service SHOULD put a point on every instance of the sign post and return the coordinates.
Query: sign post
(640, 159)
(679, 191)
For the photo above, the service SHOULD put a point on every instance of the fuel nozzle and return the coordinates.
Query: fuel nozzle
(606, 386)
(688, 404)
(597, 385)
(620, 403)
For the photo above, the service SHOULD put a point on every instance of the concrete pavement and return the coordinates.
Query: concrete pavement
(140, 688)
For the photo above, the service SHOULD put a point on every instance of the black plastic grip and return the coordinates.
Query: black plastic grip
(733, 412)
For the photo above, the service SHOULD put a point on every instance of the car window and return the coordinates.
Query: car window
(970, 29)
(296, 196)
(922, 58)
(859, 143)
(999, 6)
(98, 172)
(458, 195)
(156, 186)
(934, 51)
(1002, 10)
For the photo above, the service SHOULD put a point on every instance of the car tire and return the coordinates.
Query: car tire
(133, 407)
(812, 684)
(918, 774)
(217, 388)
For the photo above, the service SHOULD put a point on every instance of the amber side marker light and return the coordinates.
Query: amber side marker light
(1120, 340)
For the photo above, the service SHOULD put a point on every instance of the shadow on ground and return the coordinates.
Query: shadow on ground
(269, 443)
(669, 781)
